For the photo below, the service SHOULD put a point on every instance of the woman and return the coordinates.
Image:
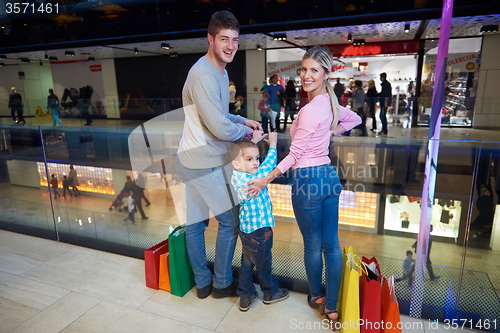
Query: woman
(316, 213)
(371, 96)
(73, 180)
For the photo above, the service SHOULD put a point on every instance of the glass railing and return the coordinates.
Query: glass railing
(380, 206)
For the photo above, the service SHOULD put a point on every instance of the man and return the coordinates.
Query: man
(385, 99)
(202, 162)
(276, 95)
(338, 89)
(16, 105)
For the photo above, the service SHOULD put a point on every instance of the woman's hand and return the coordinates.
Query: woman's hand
(256, 185)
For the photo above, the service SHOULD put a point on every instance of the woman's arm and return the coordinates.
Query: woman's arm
(257, 184)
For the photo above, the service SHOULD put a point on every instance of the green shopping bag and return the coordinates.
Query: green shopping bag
(181, 273)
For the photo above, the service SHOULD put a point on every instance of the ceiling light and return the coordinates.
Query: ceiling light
(166, 46)
(279, 36)
(173, 55)
(52, 58)
(259, 48)
(489, 28)
(91, 59)
(69, 54)
(136, 50)
(358, 41)
(407, 28)
(3, 56)
(349, 37)
(25, 60)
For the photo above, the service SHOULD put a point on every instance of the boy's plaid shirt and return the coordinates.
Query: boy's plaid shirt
(255, 213)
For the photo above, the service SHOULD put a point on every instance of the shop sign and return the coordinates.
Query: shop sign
(464, 62)
(95, 68)
(285, 68)
(396, 47)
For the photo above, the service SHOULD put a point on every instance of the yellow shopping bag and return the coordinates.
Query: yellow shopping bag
(349, 313)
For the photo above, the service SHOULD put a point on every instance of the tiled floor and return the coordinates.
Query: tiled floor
(48, 286)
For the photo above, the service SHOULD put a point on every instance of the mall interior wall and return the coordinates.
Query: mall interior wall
(487, 112)
(256, 73)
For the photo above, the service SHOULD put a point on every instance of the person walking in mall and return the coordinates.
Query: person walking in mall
(73, 180)
(316, 186)
(276, 94)
(16, 105)
(385, 100)
(371, 98)
(339, 89)
(205, 167)
(290, 107)
(358, 101)
(53, 105)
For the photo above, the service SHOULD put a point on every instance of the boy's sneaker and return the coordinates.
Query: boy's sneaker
(245, 302)
(281, 295)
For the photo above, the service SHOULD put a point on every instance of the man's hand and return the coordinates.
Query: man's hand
(253, 124)
(273, 139)
(258, 135)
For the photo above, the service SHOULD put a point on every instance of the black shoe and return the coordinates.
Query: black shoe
(204, 292)
(312, 301)
(148, 204)
(145, 218)
(245, 302)
(281, 295)
(225, 292)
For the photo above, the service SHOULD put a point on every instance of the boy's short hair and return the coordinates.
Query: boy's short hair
(239, 146)
(409, 252)
(266, 95)
(223, 19)
(52, 175)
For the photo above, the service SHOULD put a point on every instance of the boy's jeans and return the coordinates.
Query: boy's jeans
(257, 251)
(315, 200)
(207, 190)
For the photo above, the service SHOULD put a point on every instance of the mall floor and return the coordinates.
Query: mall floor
(48, 286)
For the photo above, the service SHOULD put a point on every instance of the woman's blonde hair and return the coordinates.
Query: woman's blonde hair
(324, 57)
(371, 84)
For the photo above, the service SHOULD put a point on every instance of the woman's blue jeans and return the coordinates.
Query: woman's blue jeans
(315, 200)
(265, 121)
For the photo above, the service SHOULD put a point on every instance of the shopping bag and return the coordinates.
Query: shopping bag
(373, 267)
(370, 297)
(390, 308)
(152, 263)
(349, 312)
(164, 280)
(181, 273)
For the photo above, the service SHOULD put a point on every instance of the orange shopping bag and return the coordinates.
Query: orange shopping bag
(164, 280)
(390, 308)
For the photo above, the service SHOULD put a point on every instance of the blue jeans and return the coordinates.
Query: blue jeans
(55, 116)
(257, 252)
(207, 190)
(265, 121)
(315, 200)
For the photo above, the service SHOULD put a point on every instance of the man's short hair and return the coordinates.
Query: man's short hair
(358, 83)
(383, 75)
(239, 146)
(223, 19)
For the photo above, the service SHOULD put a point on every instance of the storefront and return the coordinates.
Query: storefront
(462, 75)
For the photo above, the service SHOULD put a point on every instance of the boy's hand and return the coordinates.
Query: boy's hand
(258, 135)
(273, 139)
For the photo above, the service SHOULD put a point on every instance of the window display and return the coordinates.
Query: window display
(402, 213)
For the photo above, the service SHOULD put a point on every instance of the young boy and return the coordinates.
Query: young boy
(131, 209)
(256, 220)
(408, 268)
(65, 184)
(54, 183)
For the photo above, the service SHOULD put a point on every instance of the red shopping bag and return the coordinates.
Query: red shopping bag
(152, 263)
(390, 308)
(370, 304)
